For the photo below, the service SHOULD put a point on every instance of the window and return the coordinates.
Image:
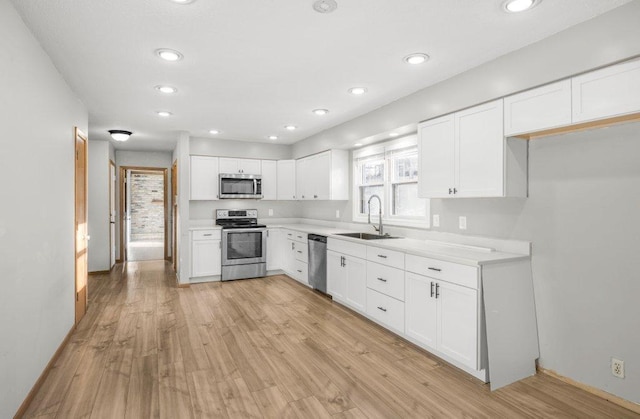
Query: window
(390, 171)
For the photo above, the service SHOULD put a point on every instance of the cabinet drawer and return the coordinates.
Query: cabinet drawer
(302, 252)
(206, 235)
(386, 310)
(464, 275)
(385, 279)
(301, 271)
(296, 235)
(386, 257)
(348, 248)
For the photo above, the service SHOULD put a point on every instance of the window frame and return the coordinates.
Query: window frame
(387, 151)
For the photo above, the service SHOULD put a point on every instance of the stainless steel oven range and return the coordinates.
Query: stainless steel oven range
(244, 244)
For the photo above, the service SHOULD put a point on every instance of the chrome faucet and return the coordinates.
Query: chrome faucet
(379, 228)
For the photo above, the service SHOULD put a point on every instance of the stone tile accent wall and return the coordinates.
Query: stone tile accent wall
(147, 206)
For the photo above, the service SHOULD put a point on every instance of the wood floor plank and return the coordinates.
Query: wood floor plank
(174, 396)
(143, 391)
(238, 400)
(205, 394)
(111, 400)
(273, 404)
(310, 408)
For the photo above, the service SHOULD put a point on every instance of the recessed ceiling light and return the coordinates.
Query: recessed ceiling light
(183, 1)
(417, 58)
(273, 137)
(164, 114)
(290, 127)
(169, 54)
(325, 6)
(166, 89)
(320, 112)
(120, 135)
(358, 91)
(357, 145)
(214, 132)
(515, 6)
(393, 134)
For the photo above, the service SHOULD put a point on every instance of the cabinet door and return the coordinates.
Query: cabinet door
(228, 165)
(303, 180)
(269, 179)
(538, 109)
(286, 176)
(250, 166)
(436, 157)
(421, 309)
(275, 249)
(356, 272)
(203, 178)
(289, 256)
(479, 145)
(321, 177)
(458, 323)
(206, 258)
(612, 91)
(336, 279)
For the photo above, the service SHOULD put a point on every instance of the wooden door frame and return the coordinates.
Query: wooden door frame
(174, 215)
(122, 208)
(79, 135)
(115, 173)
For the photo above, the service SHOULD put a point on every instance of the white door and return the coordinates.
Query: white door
(286, 180)
(112, 215)
(356, 272)
(479, 143)
(269, 180)
(204, 178)
(322, 176)
(249, 166)
(458, 323)
(421, 309)
(336, 278)
(436, 157)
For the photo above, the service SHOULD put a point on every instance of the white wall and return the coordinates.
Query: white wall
(38, 112)
(98, 251)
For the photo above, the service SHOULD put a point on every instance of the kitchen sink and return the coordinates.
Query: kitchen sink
(366, 236)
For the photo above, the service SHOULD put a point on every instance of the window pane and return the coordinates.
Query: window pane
(406, 201)
(372, 172)
(365, 194)
(405, 168)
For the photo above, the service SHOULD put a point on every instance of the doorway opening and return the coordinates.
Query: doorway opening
(144, 209)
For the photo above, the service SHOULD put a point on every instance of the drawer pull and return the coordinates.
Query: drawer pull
(300, 251)
(382, 256)
(299, 237)
(299, 271)
(435, 269)
(382, 309)
(289, 234)
(207, 235)
(382, 279)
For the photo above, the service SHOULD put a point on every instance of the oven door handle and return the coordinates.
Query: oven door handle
(245, 230)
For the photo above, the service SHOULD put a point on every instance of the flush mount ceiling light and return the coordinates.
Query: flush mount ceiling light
(416, 58)
(290, 127)
(320, 112)
(214, 132)
(358, 91)
(169, 54)
(393, 134)
(120, 135)
(164, 114)
(357, 145)
(515, 6)
(166, 89)
(273, 137)
(325, 6)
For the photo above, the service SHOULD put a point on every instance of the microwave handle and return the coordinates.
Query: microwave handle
(255, 185)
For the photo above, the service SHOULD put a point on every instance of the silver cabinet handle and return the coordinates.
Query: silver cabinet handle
(299, 271)
(437, 290)
(315, 196)
(207, 235)
(435, 269)
(293, 246)
(382, 256)
(300, 251)
(382, 309)
(431, 289)
(382, 279)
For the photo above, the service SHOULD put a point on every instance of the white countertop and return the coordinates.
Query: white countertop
(204, 227)
(466, 255)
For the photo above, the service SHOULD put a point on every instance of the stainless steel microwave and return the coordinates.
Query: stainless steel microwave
(240, 186)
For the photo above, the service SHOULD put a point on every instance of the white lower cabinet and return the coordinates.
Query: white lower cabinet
(443, 316)
(347, 279)
(386, 310)
(296, 256)
(206, 253)
(276, 247)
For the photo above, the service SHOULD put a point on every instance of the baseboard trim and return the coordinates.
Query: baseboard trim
(99, 272)
(634, 407)
(27, 401)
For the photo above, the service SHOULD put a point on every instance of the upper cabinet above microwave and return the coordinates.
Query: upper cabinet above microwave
(203, 181)
(244, 166)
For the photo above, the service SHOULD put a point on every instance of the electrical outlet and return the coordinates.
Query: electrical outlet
(270, 212)
(462, 222)
(617, 368)
(337, 213)
(436, 220)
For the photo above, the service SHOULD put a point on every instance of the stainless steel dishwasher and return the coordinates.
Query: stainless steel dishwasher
(318, 262)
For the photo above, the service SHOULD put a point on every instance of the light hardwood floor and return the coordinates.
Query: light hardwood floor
(264, 348)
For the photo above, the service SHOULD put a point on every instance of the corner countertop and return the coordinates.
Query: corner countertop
(450, 252)
(204, 227)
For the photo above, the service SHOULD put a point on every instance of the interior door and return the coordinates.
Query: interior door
(112, 214)
(81, 225)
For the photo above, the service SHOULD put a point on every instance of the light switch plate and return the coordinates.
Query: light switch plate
(337, 213)
(462, 222)
(436, 220)
(270, 212)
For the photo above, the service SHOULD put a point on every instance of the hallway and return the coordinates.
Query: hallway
(268, 348)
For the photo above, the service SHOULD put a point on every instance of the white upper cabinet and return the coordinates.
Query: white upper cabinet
(538, 109)
(204, 178)
(609, 92)
(286, 179)
(269, 179)
(246, 166)
(323, 176)
(465, 155)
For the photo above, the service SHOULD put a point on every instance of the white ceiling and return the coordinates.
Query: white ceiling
(251, 67)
